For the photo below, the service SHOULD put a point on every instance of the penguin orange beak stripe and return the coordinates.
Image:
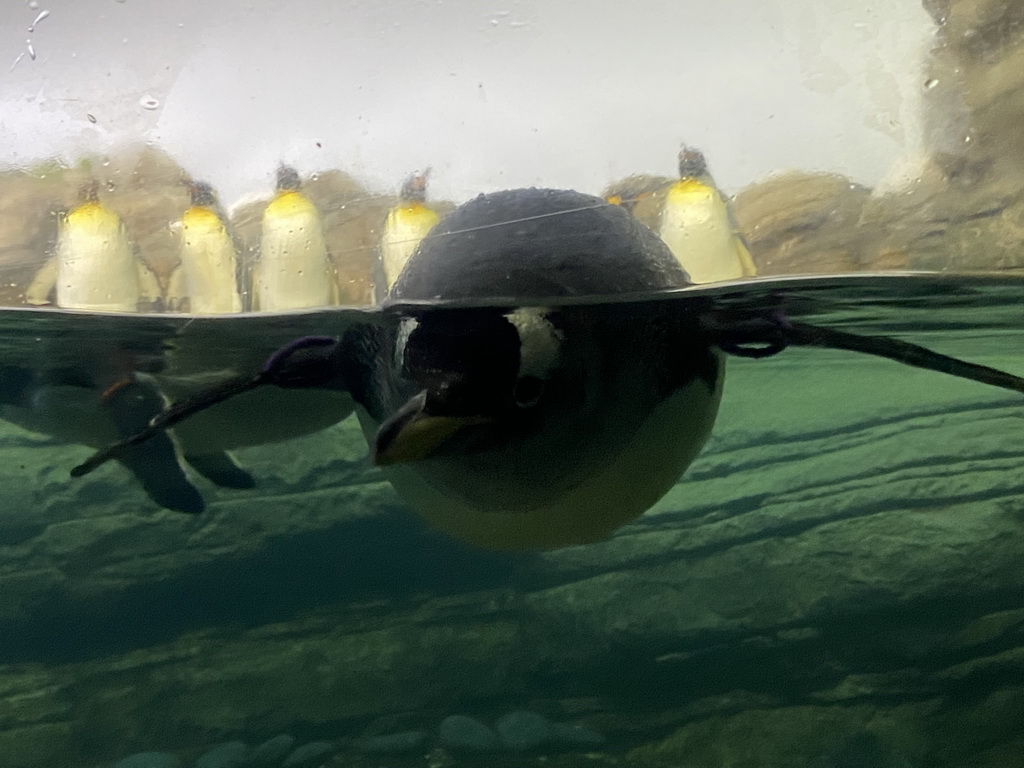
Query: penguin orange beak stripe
(411, 434)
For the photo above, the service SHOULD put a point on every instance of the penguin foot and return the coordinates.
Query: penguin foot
(220, 469)
(154, 462)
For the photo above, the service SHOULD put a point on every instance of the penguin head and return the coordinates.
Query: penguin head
(414, 190)
(201, 194)
(692, 164)
(484, 381)
(288, 179)
(89, 191)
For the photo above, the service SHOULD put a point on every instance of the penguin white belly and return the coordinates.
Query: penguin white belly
(652, 461)
(403, 230)
(696, 228)
(293, 272)
(209, 261)
(97, 268)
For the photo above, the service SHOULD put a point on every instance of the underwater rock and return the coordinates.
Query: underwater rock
(229, 755)
(311, 755)
(864, 750)
(394, 743)
(803, 223)
(576, 734)
(523, 730)
(271, 752)
(460, 732)
(790, 736)
(149, 760)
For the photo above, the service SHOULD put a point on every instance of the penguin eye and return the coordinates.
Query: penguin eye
(528, 391)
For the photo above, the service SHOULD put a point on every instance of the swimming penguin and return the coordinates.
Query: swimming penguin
(406, 224)
(698, 226)
(95, 266)
(76, 407)
(524, 421)
(207, 275)
(294, 270)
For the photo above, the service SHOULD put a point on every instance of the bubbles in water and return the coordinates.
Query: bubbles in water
(148, 102)
(931, 83)
(42, 15)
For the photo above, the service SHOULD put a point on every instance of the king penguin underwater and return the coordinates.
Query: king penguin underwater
(519, 420)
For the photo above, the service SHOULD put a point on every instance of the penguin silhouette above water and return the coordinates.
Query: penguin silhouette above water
(405, 226)
(525, 423)
(294, 269)
(698, 226)
(95, 266)
(207, 277)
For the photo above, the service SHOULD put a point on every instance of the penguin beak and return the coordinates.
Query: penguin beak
(412, 434)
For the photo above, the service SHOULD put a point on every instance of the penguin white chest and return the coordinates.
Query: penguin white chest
(293, 272)
(696, 228)
(97, 267)
(208, 258)
(403, 230)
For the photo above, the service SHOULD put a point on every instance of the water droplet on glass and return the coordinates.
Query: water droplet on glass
(42, 15)
(32, 4)
(148, 102)
(494, 22)
(314, 177)
(931, 83)
(110, 186)
(92, 118)
(31, 50)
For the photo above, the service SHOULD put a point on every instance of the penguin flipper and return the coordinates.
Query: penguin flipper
(743, 252)
(154, 462)
(742, 247)
(39, 290)
(221, 469)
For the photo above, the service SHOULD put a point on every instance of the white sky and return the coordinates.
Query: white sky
(491, 94)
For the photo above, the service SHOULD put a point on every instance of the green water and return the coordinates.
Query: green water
(836, 581)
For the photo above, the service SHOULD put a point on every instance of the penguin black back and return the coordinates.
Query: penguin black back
(537, 243)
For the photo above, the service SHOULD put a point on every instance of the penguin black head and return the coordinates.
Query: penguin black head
(202, 194)
(89, 191)
(529, 244)
(414, 190)
(288, 179)
(692, 164)
(483, 380)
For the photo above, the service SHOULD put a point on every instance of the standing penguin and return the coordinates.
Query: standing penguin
(207, 274)
(698, 226)
(294, 270)
(95, 266)
(406, 225)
